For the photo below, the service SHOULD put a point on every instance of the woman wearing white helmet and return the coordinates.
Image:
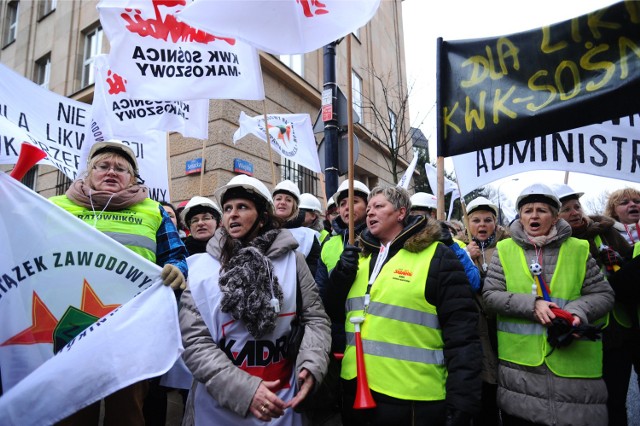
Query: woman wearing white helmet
(109, 197)
(237, 314)
(286, 200)
(546, 288)
(202, 216)
(620, 338)
(485, 234)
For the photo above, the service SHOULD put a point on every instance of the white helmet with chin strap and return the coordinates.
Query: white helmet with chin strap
(359, 189)
(565, 192)
(255, 188)
(115, 146)
(482, 203)
(540, 193)
(424, 200)
(310, 202)
(287, 187)
(199, 201)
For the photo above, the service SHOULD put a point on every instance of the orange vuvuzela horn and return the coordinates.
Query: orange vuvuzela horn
(363, 399)
(28, 157)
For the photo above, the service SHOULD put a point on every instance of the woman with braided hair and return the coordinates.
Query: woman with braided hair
(237, 316)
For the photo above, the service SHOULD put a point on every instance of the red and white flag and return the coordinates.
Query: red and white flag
(69, 290)
(117, 114)
(291, 136)
(164, 59)
(281, 26)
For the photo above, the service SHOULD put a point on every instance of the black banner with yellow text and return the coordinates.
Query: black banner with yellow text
(506, 89)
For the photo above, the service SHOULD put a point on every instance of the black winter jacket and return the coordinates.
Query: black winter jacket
(448, 289)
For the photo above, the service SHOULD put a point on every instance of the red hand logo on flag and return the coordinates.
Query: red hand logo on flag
(161, 28)
(116, 84)
(306, 7)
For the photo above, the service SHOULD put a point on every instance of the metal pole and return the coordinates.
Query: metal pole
(331, 126)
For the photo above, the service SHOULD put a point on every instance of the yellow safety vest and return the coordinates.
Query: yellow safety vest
(331, 251)
(134, 227)
(524, 342)
(323, 235)
(620, 313)
(401, 335)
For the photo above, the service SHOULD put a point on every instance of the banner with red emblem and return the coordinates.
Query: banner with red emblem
(117, 114)
(164, 59)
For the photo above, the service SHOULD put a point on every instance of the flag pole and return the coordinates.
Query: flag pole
(439, 136)
(204, 145)
(266, 135)
(168, 154)
(440, 190)
(350, 141)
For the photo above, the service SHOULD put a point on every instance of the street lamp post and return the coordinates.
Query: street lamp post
(500, 199)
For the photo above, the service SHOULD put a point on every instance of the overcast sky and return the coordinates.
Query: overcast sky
(425, 21)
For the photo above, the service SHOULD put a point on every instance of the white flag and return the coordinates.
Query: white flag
(449, 185)
(291, 136)
(281, 27)
(58, 275)
(164, 59)
(54, 123)
(117, 114)
(406, 178)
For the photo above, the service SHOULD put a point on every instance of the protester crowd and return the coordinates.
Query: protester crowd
(289, 318)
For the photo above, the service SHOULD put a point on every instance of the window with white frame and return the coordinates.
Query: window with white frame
(295, 62)
(45, 7)
(10, 22)
(356, 94)
(393, 120)
(42, 71)
(92, 48)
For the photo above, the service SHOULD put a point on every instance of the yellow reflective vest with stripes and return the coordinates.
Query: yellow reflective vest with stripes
(524, 342)
(402, 339)
(134, 227)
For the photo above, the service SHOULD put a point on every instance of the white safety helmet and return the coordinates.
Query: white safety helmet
(424, 200)
(481, 203)
(251, 185)
(538, 192)
(565, 192)
(116, 146)
(199, 201)
(287, 187)
(331, 203)
(310, 202)
(359, 188)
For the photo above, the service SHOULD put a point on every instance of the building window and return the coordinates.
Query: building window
(306, 180)
(43, 71)
(295, 62)
(393, 143)
(10, 22)
(92, 48)
(356, 94)
(63, 183)
(29, 179)
(45, 7)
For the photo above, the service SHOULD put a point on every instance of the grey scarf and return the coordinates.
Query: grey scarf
(248, 284)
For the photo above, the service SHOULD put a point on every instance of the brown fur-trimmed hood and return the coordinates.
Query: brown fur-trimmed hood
(419, 233)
